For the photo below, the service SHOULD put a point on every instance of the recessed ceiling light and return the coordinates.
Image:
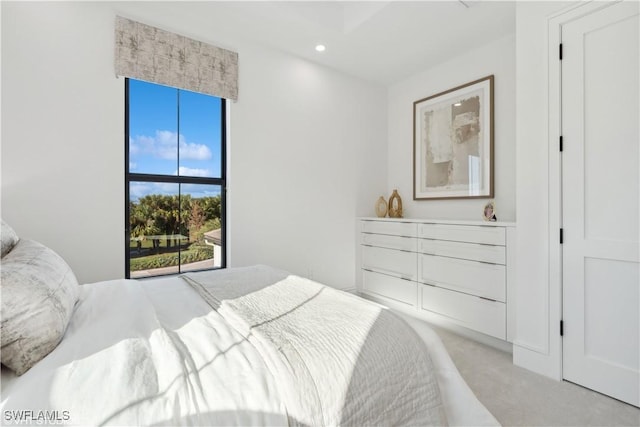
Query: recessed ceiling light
(320, 48)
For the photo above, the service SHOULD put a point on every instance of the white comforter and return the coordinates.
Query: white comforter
(154, 352)
(339, 359)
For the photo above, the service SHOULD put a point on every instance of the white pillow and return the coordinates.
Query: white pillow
(9, 238)
(39, 292)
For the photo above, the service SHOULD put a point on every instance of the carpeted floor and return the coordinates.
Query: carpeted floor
(518, 397)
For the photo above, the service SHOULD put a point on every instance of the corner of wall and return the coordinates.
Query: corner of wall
(537, 344)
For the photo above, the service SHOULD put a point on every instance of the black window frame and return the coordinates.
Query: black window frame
(176, 179)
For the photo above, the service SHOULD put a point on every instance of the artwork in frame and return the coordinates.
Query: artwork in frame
(453, 143)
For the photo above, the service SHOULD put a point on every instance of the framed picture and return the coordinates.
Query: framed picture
(453, 143)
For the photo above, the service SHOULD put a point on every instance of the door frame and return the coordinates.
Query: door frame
(555, 24)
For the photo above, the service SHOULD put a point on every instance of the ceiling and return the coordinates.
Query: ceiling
(379, 41)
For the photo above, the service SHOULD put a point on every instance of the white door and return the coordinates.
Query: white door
(601, 215)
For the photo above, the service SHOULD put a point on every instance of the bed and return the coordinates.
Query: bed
(245, 346)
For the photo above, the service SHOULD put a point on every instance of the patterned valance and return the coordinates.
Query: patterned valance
(147, 53)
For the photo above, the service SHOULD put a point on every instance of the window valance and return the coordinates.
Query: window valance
(147, 53)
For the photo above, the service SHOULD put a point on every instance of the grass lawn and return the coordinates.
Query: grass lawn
(148, 244)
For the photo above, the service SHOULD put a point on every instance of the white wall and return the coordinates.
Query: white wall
(537, 345)
(307, 156)
(307, 146)
(63, 132)
(497, 58)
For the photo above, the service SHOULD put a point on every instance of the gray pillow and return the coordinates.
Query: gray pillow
(39, 292)
(9, 238)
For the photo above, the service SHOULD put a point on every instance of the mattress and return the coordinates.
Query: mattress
(179, 361)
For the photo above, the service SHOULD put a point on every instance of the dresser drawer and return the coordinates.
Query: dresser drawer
(485, 316)
(472, 277)
(390, 242)
(463, 233)
(389, 261)
(390, 287)
(470, 251)
(389, 227)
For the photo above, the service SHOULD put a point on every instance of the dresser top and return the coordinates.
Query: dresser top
(441, 221)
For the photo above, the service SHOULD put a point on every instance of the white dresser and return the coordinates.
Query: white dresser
(459, 271)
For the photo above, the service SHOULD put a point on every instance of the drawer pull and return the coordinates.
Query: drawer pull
(408, 279)
(386, 272)
(488, 299)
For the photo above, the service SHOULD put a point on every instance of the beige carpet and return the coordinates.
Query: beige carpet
(518, 397)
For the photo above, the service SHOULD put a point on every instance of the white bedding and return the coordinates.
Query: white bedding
(179, 361)
(339, 359)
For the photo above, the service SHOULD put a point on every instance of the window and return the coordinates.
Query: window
(174, 180)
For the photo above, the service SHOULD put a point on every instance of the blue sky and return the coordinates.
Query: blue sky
(155, 129)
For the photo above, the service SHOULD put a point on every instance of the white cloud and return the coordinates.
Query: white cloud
(132, 166)
(185, 171)
(197, 190)
(141, 189)
(138, 189)
(191, 151)
(163, 145)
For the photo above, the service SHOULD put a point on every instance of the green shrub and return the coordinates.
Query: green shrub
(196, 252)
